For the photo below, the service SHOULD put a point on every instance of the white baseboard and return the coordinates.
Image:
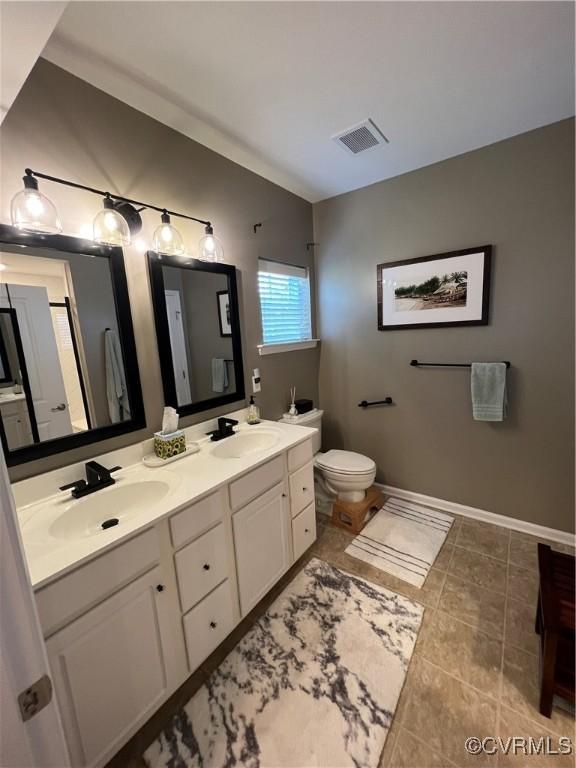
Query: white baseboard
(542, 531)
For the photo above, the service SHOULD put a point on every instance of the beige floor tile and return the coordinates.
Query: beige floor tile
(453, 532)
(463, 651)
(521, 691)
(390, 743)
(479, 569)
(442, 562)
(524, 549)
(445, 712)
(487, 539)
(410, 752)
(425, 627)
(522, 584)
(520, 632)
(513, 725)
(474, 605)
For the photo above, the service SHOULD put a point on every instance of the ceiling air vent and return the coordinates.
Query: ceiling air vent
(361, 137)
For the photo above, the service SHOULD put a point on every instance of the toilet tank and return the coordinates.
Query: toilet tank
(311, 419)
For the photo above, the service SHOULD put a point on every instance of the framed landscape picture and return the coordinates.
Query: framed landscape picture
(446, 289)
(224, 313)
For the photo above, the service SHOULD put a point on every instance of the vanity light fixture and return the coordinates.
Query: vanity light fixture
(210, 248)
(110, 227)
(114, 225)
(166, 239)
(32, 211)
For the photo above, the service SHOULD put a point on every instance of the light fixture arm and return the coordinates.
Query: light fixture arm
(37, 174)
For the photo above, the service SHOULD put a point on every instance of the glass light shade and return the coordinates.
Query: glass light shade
(166, 239)
(110, 228)
(34, 212)
(210, 248)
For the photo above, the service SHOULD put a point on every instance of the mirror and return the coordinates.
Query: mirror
(198, 331)
(68, 371)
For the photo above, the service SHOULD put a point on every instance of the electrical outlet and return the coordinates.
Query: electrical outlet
(256, 386)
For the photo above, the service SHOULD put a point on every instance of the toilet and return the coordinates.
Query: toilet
(343, 474)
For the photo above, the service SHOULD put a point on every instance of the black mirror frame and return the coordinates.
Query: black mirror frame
(66, 244)
(155, 263)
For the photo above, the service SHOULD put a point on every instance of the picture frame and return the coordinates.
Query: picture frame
(224, 316)
(439, 291)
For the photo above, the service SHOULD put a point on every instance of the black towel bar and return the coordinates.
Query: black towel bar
(366, 404)
(418, 364)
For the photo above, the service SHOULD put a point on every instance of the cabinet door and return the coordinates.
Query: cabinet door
(304, 530)
(262, 545)
(109, 669)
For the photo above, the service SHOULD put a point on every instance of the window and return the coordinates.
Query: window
(284, 303)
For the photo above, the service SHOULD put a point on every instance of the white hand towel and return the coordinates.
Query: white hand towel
(219, 374)
(116, 390)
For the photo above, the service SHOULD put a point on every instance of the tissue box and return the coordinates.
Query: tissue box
(166, 446)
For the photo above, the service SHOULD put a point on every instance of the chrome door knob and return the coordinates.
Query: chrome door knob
(61, 407)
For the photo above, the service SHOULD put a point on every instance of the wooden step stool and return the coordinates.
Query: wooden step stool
(351, 515)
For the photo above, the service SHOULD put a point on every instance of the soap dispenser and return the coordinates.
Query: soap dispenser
(253, 412)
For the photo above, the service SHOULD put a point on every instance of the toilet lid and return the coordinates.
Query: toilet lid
(346, 462)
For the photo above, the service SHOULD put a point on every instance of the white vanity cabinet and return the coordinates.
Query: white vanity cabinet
(111, 668)
(261, 539)
(127, 627)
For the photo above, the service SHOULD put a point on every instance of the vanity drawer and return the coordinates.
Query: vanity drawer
(201, 566)
(194, 520)
(304, 530)
(206, 625)
(81, 589)
(301, 488)
(300, 455)
(254, 483)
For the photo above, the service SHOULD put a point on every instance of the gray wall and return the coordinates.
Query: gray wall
(519, 196)
(63, 126)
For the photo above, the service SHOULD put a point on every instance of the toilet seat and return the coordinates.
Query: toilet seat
(345, 463)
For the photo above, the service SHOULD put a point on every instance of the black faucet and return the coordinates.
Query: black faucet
(97, 477)
(225, 429)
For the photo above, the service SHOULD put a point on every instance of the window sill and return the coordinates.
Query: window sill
(287, 346)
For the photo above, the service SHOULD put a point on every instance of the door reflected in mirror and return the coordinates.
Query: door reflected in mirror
(63, 368)
(198, 331)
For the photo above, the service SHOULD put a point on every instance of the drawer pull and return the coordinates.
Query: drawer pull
(160, 588)
(284, 495)
(213, 624)
(206, 567)
(305, 490)
(306, 530)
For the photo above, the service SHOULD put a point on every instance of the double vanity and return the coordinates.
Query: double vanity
(130, 610)
(140, 567)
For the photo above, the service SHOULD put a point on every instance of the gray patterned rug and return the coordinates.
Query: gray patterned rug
(315, 682)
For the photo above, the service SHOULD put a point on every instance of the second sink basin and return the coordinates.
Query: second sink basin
(245, 442)
(107, 508)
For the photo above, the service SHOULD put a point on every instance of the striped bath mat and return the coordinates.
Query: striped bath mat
(403, 539)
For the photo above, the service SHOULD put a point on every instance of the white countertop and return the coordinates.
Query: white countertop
(12, 397)
(189, 478)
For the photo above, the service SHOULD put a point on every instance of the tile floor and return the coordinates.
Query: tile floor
(474, 671)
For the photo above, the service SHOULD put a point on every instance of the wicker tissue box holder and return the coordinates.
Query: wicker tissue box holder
(166, 446)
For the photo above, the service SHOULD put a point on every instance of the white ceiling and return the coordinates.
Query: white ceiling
(24, 30)
(268, 83)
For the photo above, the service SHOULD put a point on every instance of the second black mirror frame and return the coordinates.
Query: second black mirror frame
(228, 325)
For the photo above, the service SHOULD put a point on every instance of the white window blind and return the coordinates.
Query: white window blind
(284, 302)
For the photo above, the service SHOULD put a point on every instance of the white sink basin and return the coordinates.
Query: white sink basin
(245, 443)
(84, 517)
